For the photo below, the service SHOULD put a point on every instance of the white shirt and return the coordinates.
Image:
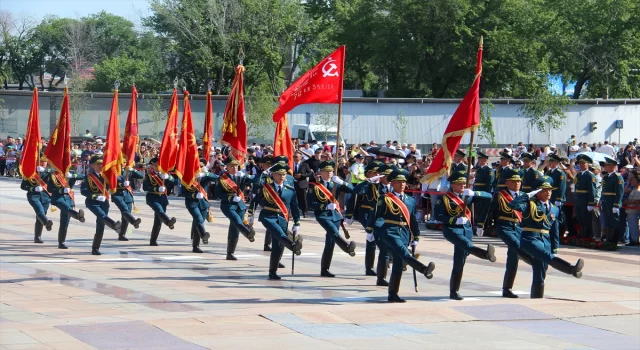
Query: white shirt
(399, 195)
(607, 149)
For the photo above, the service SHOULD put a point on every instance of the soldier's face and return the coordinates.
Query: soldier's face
(513, 185)
(457, 159)
(544, 195)
(279, 178)
(398, 186)
(482, 161)
(43, 163)
(458, 187)
(527, 163)
(97, 167)
(583, 165)
(610, 168)
(371, 174)
(504, 162)
(553, 164)
(232, 169)
(325, 175)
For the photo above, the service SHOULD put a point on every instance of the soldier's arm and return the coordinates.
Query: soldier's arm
(481, 197)
(554, 234)
(591, 200)
(562, 187)
(26, 186)
(492, 178)
(75, 178)
(135, 174)
(84, 190)
(415, 228)
(346, 188)
(619, 192)
(146, 185)
(351, 203)
(441, 212)
(520, 203)
(295, 211)
(377, 212)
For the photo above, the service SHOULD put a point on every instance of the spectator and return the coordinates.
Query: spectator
(520, 149)
(19, 144)
(414, 151)
(584, 147)
(389, 144)
(573, 148)
(404, 148)
(434, 149)
(633, 207)
(607, 149)
(87, 133)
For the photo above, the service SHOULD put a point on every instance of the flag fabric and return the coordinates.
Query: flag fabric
(207, 137)
(131, 137)
(234, 127)
(465, 119)
(58, 151)
(169, 146)
(187, 160)
(112, 155)
(282, 144)
(32, 143)
(322, 84)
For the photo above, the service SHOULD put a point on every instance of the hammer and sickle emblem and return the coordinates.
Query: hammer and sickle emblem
(330, 69)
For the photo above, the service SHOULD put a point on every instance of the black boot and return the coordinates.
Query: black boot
(155, 232)
(369, 259)
(295, 247)
(427, 271)
(382, 269)
(267, 241)
(394, 288)
(454, 286)
(537, 290)
(170, 222)
(44, 220)
(325, 262)
(566, 267)
(77, 215)
(266, 248)
(488, 254)
(131, 219)
(95, 252)
(62, 246)
(248, 232)
(525, 257)
(124, 226)
(114, 225)
(274, 260)
(507, 284)
(198, 231)
(232, 243)
(37, 232)
(346, 246)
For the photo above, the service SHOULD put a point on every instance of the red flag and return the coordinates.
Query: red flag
(31, 148)
(207, 137)
(465, 119)
(58, 151)
(321, 84)
(283, 146)
(169, 146)
(234, 128)
(112, 157)
(131, 137)
(187, 161)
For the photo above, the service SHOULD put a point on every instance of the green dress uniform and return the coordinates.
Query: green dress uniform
(529, 175)
(558, 194)
(540, 237)
(611, 202)
(255, 192)
(507, 227)
(327, 212)
(123, 199)
(39, 199)
(61, 197)
(399, 228)
(485, 176)
(458, 231)
(156, 198)
(584, 199)
(501, 173)
(95, 188)
(230, 191)
(459, 167)
(197, 203)
(279, 203)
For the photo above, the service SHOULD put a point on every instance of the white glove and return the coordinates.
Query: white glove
(165, 176)
(468, 192)
(480, 231)
(370, 237)
(616, 210)
(161, 189)
(558, 203)
(590, 207)
(69, 175)
(40, 169)
(66, 190)
(461, 221)
(337, 180)
(101, 198)
(200, 175)
(414, 243)
(295, 229)
(349, 221)
(251, 220)
(199, 195)
(375, 179)
(125, 183)
(266, 172)
(239, 174)
(38, 189)
(331, 206)
(130, 168)
(533, 193)
(237, 199)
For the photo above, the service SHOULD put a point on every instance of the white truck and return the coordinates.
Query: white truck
(309, 132)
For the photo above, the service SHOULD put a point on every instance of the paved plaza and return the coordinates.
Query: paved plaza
(139, 297)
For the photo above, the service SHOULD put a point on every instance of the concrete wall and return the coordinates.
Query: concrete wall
(364, 119)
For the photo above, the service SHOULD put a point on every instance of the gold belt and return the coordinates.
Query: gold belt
(395, 222)
(508, 219)
(546, 232)
(608, 193)
(503, 185)
(581, 191)
(273, 209)
(366, 207)
(158, 193)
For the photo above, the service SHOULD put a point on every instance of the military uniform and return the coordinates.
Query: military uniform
(483, 182)
(97, 193)
(459, 167)
(62, 196)
(456, 228)
(585, 194)
(197, 203)
(501, 173)
(540, 236)
(558, 194)
(230, 191)
(123, 199)
(255, 193)
(611, 202)
(399, 228)
(279, 203)
(39, 199)
(531, 174)
(156, 198)
(322, 201)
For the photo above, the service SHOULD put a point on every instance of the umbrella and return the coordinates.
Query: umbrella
(387, 152)
(595, 156)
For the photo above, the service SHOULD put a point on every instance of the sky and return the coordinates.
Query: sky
(133, 10)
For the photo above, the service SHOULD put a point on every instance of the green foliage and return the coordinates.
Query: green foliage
(485, 131)
(546, 111)
(325, 115)
(401, 127)
(260, 106)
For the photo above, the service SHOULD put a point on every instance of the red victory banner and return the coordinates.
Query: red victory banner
(465, 119)
(58, 151)
(31, 148)
(131, 137)
(234, 127)
(187, 161)
(207, 137)
(321, 84)
(282, 144)
(112, 157)
(169, 146)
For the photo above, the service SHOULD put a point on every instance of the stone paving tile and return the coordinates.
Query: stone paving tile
(503, 312)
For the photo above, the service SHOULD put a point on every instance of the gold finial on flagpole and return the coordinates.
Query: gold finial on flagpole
(481, 42)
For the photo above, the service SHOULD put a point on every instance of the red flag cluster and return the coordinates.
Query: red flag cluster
(112, 155)
(131, 136)
(31, 149)
(169, 147)
(187, 160)
(58, 151)
(234, 127)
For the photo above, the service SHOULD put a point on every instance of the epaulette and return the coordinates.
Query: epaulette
(289, 186)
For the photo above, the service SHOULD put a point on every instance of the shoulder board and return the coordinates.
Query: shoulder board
(289, 186)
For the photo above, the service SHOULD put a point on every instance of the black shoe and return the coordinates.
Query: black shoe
(266, 248)
(62, 246)
(281, 265)
(370, 272)
(95, 252)
(382, 283)
(455, 296)
(171, 223)
(123, 238)
(491, 253)
(205, 238)
(274, 276)
(37, 240)
(428, 272)
(231, 257)
(577, 269)
(153, 243)
(507, 293)
(81, 215)
(136, 224)
(49, 225)
(252, 235)
(197, 250)
(304, 215)
(352, 248)
(326, 273)
(394, 298)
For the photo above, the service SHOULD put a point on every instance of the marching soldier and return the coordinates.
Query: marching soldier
(265, 164)
(156, 198)
(458, 162)
(540, 235)
(123, 199)
(39, 198)
(279, 202)
(585, 194)
(611, 200)
(505, 165)
(97, 195)
(62, 196)
(456, 227)
(483, 181)
(531, 174)
(558, 193)
(230, 189)
(197, 203)
(507, 227)
(327, 213)
(289, 179)
(399, 229)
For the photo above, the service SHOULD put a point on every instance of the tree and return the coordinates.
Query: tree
(546, 111)
(19, 46)
(401, 127)
(325, 115)
(52, 52)
(113, 35)
(485, 131)
(80, 41)
(260, 106)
